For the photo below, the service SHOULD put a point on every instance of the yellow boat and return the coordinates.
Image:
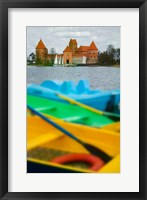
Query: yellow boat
(114, 127)
(42, 135)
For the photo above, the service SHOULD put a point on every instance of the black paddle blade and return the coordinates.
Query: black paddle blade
(97, 152)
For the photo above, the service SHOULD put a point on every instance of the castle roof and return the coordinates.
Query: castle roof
(93, 46)
(83, 48)
(67, 49)
(40, 45)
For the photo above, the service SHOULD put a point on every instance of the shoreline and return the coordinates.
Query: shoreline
(116, 66)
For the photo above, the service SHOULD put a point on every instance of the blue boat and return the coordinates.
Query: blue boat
(105, 100)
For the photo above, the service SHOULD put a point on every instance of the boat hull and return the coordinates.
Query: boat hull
(42, 134)
(68, 112)
(101, 100)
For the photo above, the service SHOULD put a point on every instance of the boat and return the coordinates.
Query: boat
(70, 113)
(46, 145)
(114, 127)
(100, 99)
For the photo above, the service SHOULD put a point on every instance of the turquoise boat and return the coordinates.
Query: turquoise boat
(100, 99)
(71, 113)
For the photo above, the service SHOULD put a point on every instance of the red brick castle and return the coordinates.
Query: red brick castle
(72, 54)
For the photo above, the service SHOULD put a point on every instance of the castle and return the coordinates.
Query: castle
(72, 54)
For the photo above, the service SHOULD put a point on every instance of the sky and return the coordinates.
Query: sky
(58, 37)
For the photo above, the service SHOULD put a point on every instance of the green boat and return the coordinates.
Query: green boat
(69, 112)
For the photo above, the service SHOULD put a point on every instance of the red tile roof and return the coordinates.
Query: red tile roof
(67, 49)
(41, 45)
(83, 48)
(93, 46)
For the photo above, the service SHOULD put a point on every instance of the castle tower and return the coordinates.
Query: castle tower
(92, 54)
(73, 45)
(67, 55)
(41, 52)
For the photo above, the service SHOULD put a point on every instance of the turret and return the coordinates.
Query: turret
(92, 54)
(41, 52)
(73, 45)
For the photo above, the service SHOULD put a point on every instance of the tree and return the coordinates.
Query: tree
(109, 57)
(117, 55)
(31, 59)
(53, 54)
(32, 56)
(103, 58)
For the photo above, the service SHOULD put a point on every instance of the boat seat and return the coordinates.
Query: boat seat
(67, 87)
(54, 85)
(83, 86)
(44, 138)
(46, 109)
(75, 118)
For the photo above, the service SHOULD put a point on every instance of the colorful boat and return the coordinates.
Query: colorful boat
(103, 100)
(45, 144)
(70, 113)
(112, 128)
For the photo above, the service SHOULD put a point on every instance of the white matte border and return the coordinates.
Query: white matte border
(128, 179)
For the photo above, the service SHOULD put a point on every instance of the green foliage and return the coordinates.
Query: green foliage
(109, 57)
(48, 63)
(39, 61)
(32, 56)
(31, 59)
(53, 54)
(45, 62)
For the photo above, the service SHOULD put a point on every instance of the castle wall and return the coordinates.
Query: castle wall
(77, 60)
(41, 54)
(67, 58)
(82, 53)
(92, 57)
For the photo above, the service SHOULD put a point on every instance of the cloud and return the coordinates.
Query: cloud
(72, 34)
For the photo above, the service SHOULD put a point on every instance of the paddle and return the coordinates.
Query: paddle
(114, 117)
(93, 150)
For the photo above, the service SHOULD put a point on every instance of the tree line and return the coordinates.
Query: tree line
(109, 57)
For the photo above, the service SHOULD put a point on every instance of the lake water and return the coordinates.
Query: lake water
(104, 78)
